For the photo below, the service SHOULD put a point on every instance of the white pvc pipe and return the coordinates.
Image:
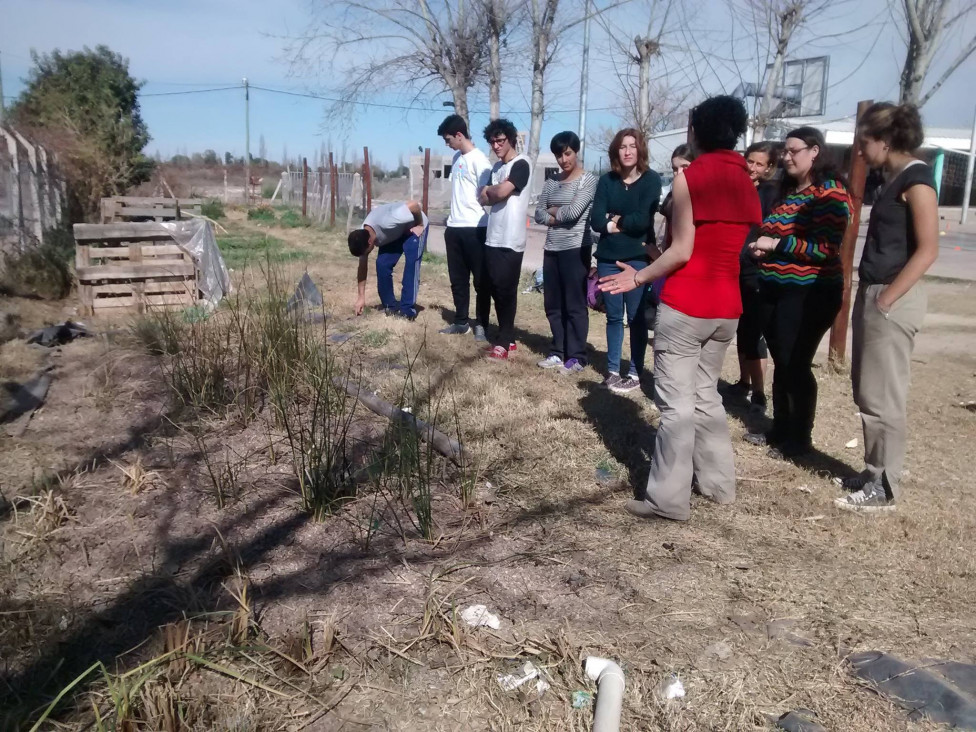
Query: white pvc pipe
(609, 680)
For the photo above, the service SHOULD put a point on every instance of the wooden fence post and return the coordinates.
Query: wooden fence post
(837, 354)
(304, 187)
(333, 180)
(356, 181)
(426, 198)
(367, 180)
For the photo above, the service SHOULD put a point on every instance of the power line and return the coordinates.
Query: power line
(190, 91)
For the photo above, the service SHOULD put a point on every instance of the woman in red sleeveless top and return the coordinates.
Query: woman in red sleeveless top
(715, 205)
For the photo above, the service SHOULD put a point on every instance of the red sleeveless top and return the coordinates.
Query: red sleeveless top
(725, 207)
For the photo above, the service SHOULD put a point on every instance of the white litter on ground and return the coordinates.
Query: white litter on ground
(852, 444)
(672, 688)
(478, 616)
(510, 682)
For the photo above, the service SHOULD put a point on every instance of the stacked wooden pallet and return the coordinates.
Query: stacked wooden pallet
(136, 266)
(129, 208)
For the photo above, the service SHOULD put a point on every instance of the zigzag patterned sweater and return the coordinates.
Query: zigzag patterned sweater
(810, 225)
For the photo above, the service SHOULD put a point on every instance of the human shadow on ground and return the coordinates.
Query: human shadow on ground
(815, 460)
(625, 433)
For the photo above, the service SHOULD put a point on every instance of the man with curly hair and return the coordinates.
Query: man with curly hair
(508, 196)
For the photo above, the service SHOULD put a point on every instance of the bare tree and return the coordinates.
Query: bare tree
(500, 18)
(646, 102)
(411, 46)
(927, 23)
(544, 44)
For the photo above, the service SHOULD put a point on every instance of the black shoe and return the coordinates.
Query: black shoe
(738, 390)
(759, 439)
(456, 329)
(789, 450)
(406, 316)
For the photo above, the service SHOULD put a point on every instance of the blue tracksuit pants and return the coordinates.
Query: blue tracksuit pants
(411, 248)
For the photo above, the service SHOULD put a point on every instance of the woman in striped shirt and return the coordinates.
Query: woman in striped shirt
(564, 206)
(801, 284)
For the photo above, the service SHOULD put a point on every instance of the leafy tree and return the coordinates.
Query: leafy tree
(210, 158)
(180, 160)
(84, 105)
(228, 158)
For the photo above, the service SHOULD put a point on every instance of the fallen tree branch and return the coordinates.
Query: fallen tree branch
(447, 447)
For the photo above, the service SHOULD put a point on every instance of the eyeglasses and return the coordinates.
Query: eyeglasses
(498, 141)
(786, 152)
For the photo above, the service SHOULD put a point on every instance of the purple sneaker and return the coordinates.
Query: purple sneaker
(572, 366)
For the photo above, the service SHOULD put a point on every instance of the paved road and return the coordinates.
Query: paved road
(957, 246)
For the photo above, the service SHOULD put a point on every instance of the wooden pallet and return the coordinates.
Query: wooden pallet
(133, 266)
(127, 208)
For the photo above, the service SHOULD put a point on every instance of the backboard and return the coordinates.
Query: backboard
(802, 90)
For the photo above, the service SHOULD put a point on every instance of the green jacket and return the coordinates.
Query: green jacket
(636, 205)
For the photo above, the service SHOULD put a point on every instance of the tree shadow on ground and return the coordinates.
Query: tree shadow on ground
(188, 577)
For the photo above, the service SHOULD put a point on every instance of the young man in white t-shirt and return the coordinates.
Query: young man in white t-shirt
(464, 237)
(396, 230)
(508, 197)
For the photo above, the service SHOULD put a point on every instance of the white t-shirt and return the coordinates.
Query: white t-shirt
(390, 222)
(507, 219)
(469, 172)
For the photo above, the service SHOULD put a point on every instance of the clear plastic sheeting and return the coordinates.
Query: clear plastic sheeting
(197, 237)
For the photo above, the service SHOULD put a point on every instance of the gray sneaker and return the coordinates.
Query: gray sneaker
(455, 329)
(479, 334)
(550, 362)
(626, 385)
(870, 499)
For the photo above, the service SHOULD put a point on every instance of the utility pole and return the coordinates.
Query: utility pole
(247, 145)
(968, 188)
(584, 79)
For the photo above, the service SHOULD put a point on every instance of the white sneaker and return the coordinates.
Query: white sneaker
(550, 362)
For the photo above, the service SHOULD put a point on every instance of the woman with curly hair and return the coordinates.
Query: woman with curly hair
(801, 283)
(901, 244)
(715, 206)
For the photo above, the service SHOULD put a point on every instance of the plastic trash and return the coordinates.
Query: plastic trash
(799, 720)
(57, 335)
(306, 295)
(478, 616)
(582, 699)
(852, 444)
(672, 688)
(339, 337)
(510, 682)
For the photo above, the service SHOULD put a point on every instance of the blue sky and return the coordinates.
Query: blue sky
(182, 46)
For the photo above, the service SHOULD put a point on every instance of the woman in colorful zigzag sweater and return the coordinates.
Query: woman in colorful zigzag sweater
(801, 283)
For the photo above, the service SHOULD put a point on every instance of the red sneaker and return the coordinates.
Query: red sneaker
(497, 353)
(512, 347)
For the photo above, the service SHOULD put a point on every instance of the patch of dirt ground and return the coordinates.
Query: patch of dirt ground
(118, 546)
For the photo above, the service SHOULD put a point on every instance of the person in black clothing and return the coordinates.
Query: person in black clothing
(901, 244)
(750, 343)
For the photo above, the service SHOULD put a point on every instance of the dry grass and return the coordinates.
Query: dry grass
(354, 621)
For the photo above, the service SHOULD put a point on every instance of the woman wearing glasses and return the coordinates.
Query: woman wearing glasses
(801, 284)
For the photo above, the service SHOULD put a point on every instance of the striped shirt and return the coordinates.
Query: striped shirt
(574, 199)
(810, 226)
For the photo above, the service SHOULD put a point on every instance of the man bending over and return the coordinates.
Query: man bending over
(397, 230)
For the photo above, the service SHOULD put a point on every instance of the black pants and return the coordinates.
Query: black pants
(564, 295)
(795, 318)
(465, 262)
(749, 340)
(504, 268)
